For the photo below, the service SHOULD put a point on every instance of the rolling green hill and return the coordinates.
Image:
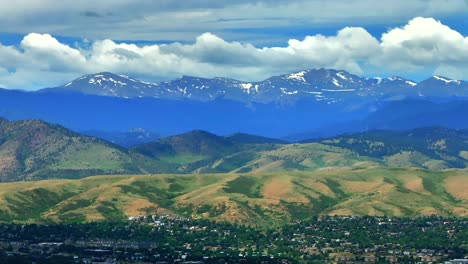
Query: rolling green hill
(36, 150)
(202, 152)
(432, 148)
(253, 198)
(31, 150)
(240, 178)
(199, 151)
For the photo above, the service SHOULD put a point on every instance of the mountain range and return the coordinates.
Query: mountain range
(297, 106)
(321, 85)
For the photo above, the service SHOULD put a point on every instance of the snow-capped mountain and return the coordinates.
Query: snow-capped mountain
(109, 84)
(322, 86)
(439, 85)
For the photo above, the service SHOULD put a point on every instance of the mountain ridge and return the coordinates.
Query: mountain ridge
(320, 85)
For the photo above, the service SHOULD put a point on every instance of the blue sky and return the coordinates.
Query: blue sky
(45, 43)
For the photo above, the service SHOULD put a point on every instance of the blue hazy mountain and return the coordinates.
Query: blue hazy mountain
(164, 116)
(312, 102)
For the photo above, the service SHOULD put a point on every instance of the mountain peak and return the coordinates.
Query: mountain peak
(101, 79)
(198, 133)
(110, 84)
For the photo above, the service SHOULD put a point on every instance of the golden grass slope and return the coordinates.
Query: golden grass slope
(251, 198)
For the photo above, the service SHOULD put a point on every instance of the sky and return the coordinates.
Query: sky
(46, 43)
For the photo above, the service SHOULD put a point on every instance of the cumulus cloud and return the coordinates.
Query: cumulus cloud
(423, 42)
(48, 53)
(423, 46)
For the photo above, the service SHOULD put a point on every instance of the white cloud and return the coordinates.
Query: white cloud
(49, 54)
(171, 20)
(423, 46)
(421, 43)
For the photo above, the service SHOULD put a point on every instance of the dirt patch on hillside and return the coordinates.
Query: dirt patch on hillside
(415, 184)
(457, 186)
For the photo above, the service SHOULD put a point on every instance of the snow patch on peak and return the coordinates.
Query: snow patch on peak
(411, 83)
(394, 78)
(246, 86)
(341, 75)
(339, 90)
(336, 83)
(297, 76)
(285, 91)
(445, 80)
(130, 78)
(100, 79)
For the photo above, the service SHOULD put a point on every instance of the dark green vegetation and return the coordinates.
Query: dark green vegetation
(257, 199)
(435, 147)
(31, 150)
(164, 238)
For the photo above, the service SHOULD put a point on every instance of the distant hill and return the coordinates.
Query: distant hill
(38, 150)
(434, 148)
(34, 149)
(253, 139)
(198, 150)
(259, 199)
(195, 143)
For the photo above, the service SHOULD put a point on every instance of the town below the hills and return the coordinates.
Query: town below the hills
(168, 239)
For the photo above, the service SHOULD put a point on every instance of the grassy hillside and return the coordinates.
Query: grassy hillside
(202, 152)
(199, 151)
(432, 148)
(36, 150)
(252, 198)
(31, 150)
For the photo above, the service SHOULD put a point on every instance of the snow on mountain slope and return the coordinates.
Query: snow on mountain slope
(321, 86)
